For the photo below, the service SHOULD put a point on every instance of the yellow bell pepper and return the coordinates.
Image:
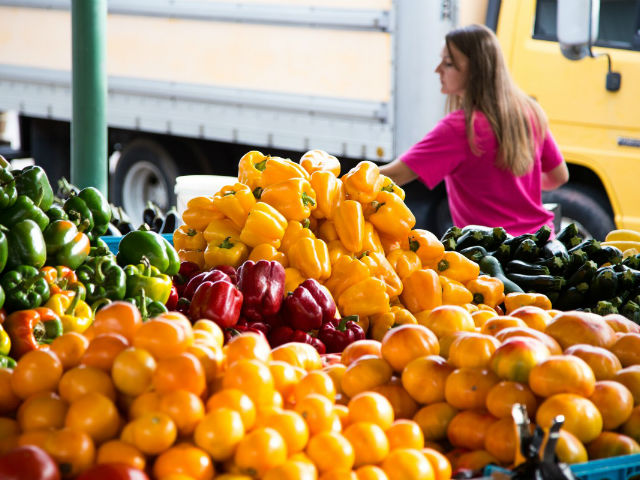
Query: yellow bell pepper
(292, 278)
(76, 315)
(295, 231)
(320, 161)
(367, 297)
(188, 238)
(228, 252)
(199, 212)
(454, 292)
(329, 193)
(336, 250)
(380, 268)
(349, 222)
(455, 265)
(371, 240)
(193, 256)
(389, 244)
(327, 231)
(345, 272)
(264, 225)
(250, 168)
(381, 323)
(265, 251)
(487, 290)
(422, 290)
(294, 198)
(311, 257)
(404, 262)
(392, 217)
(516, 299)
(235, 201)
(389, 186)
(363, 182)
(219, 229)
(280, 169)
(426, 245)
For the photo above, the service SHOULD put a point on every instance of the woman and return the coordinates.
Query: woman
(494, 150)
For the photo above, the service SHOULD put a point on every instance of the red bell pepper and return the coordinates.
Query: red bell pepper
(187, 271)
(219, 301)
(31, 329)
(244, 326)
(172, 301)
(262, 284)
(336, 334)
(308, 306)
(197, 280)
(284, 334)
(230, 271)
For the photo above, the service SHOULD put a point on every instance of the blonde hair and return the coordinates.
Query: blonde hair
(490, 90)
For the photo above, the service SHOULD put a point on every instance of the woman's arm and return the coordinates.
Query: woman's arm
(398, 171)
(555, 178)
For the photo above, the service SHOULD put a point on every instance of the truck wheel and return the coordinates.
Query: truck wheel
(145, 171)
(585, 206)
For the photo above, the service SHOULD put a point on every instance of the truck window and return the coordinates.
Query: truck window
(619, 25)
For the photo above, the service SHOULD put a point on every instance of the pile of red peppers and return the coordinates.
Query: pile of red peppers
(253, 299)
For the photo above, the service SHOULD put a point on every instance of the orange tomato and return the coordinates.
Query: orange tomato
(147, 402)
(514, 359)
(336, 372)
(285, 376)
(69, 347)
(631, 426)
(317, 410)
(614, 401)
(259, 451)
(627, 348)
(72, 448)
(365, 373)
(446, 320)
(604, 364)
(210, 357)
(9, 401)
(553, 346)
(330, 450)
(472, 350)
(424, 378)
(612, 444)
(481, 316)
(404, 406)
(94, 414)
(132, 370)
(402, 344)
(252, 377)
(184, 459)
(292, 470)
(562, 374)
(500, 440)
(117, 451)
(371, 407)
(505, 394)
(342, 411)
(36, 371)
(338, 474)
(152, 432)
(371, 472)
(40, 411)
(162, 338)
(405, 433)
(103, 349)
(290, 425)
(235, 400)
(357, 349)
(315, 381)
(403, 463)
(474, 460)
(570, 328)
(369, 442)
(184, 407)
(469, 387)
(468, 429)
(535, 317)
(118, 317)
(494, 325)
(434, 420)
(581, 416)
(247, 345)
(440, 464)
(219, 433)
(630, 378)
(182, 371)
(84, 379)
(568, 449)
(298, 354)
(9, 434)
(620, 323)
(212, 328)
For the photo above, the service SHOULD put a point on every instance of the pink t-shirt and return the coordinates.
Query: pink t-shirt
(479, 192)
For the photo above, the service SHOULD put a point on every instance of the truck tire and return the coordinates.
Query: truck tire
(587, 207)
(145, 171)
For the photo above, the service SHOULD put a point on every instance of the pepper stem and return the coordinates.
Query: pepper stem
(74, 303)
(226, 243)
(307, 200)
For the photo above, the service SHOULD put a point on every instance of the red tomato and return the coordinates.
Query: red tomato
(113, 471)
(28, 463)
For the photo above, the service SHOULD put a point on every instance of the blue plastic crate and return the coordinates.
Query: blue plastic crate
(626, 467)
(114, 242)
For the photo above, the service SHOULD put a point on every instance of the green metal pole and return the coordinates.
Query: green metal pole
(89, 90)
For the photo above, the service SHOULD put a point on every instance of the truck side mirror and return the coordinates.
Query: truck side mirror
(577, 27)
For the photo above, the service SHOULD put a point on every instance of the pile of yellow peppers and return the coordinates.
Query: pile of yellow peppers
(353, 233)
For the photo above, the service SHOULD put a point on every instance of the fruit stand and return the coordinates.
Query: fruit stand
(295, 325)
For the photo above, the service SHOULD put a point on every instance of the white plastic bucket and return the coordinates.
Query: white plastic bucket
(190, 186)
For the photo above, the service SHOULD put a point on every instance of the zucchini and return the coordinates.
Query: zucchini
(520, 266)
(606, 254)
(472, 238)
(604, 307)
(590, 246)
(628, 278)
(449, 243)
(583, 274)
(555, 248)
(502, 253)
(538, 283)
(474, 253)
(577, 258)
(604, 284)
(631, 310)
(556, 265)
(543, 234)
(632, 261)
(491, 266)
(573, 297)
(514, 242)
(568, 234)
(452, 232)
(528, 250)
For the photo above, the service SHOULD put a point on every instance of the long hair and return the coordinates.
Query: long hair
(490, 90)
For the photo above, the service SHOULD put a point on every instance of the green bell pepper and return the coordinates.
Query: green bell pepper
(65, 245)
(25, 288)
(56, 212)
(33, 182)
(148, 307)
(4, 248)
(26, 245)
(8, 191)
(5, 342)
(102, 278)
(23, 208)
(90, 210)
(7, 362)
(144, 276)
(161, 254)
